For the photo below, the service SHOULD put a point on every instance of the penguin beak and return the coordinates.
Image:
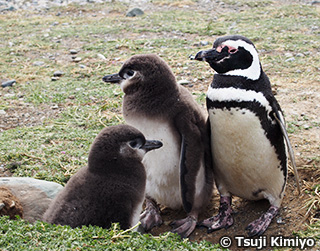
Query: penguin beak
(112, 78)
(209, 55)
(151, 145)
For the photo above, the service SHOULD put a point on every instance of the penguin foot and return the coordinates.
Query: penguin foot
(184, 227)
(259, 226)
(151, 216)
(224, 218)
(217, 222)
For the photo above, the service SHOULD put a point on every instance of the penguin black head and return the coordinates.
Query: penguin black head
(144, 71)
(233, 55)
(121, 143)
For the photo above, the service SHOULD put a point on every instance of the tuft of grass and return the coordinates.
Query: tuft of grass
(20, 235)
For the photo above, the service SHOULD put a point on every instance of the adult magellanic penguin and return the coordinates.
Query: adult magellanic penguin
(248, 136)
(111, 188)
(180, 173)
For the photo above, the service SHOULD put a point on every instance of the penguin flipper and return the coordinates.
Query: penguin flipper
(289, 146)
(187, 205)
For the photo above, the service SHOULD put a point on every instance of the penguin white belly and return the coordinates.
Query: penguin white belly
(163, 165)
(246, 163)
(136, 214)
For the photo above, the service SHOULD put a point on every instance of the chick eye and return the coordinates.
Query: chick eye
(136, 143)
(133, 144)
(129, 74)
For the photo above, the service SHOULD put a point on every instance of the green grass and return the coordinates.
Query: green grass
(55, 149)
(19, 235)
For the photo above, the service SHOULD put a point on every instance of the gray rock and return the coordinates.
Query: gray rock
(54, 107)
(183, 82)
(288, 55)
(11, 8)
(8, 83)
(280, 221)
(73, 51)
(135, 12)
(38, 63)
(54, 78)
(58, 73)
(204, 43)
(35, 195)
(290, 59)
(9, 95)
(49, 187)
(77, 59)
(101, 56)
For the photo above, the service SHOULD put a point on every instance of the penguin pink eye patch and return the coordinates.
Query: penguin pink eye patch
(231, 49)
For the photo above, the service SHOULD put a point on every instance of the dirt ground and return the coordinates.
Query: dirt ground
(293, 216)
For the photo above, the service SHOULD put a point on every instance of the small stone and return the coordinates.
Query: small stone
(315, 2)
(82, 66)
(8, 83)
(300, 55)
(183, 82)
(288, 55)
(290, 59)
(54, 78)
(3, 112)
(204, 43)
(280, 221)
(58, 73)
(11, 8)
(38, 63)
(73, 51)
(9, 95)
(306, 127)
(101, 56)
(54, 107)
(135, 12)
(77, 59)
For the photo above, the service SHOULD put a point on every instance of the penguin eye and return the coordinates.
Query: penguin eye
(128, 74)
(232, 50)
(133, 144)
(137, 143)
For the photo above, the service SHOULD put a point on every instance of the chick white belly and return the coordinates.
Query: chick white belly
(136, 214)
(162, 165)
(246, 163)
